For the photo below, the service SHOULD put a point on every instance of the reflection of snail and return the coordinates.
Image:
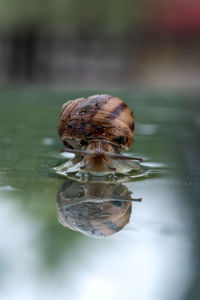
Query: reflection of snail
(96, 129)
(94, 208)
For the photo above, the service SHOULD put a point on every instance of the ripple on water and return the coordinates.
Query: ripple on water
(126, 170)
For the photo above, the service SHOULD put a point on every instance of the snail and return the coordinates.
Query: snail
(96, 129)
(96, 209)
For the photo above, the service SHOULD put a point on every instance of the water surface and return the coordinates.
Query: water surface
(154, 256)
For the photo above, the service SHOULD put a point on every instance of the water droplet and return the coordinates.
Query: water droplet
(48, 141)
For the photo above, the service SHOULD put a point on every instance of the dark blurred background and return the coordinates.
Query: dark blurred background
(103, 43)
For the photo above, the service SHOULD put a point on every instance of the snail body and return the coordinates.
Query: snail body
(96, 129)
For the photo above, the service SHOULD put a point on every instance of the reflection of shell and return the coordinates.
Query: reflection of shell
(95, 209)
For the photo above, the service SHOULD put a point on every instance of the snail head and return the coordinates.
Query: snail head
(99, 160)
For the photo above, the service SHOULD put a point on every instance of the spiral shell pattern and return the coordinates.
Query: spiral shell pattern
(98, 117)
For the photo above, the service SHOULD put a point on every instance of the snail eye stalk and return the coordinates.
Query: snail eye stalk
(123, 157)
(108, 154)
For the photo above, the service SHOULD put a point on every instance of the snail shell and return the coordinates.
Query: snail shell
(96, 118)
(96, 129)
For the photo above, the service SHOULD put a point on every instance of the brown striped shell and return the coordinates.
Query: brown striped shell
(98, 117)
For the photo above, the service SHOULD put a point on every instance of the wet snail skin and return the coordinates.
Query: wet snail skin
(96, 129)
